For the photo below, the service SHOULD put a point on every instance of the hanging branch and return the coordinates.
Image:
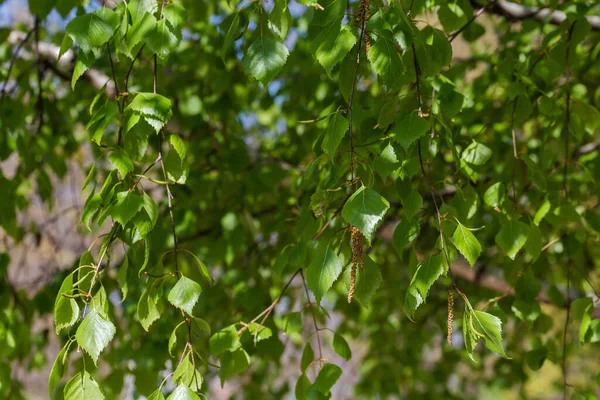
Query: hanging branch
(566, 199)
(40, 99)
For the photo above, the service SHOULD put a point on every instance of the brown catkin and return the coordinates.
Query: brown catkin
(367, 43)
(357, 258)
(450, 314)
(363, 13)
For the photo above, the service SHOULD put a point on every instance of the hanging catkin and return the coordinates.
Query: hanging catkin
(357, 259)
(363, 13)
(450, 314)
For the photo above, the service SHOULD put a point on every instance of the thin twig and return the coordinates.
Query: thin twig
(13, 60)
(339, 209)
(470, 21)
(40, 98)
(566, 198)
(314, 318)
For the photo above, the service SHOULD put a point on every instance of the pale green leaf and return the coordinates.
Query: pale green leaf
(495, 195)
(332, 44)
(59, 368)
(280, 19)
(147, 311)
(66, 310)
(386, 162)
(226, 339)
(365, 210)
(512, 237)
(93, 30)
(182, 392)
(466, 243)
(186, 374)
(385, 59)
(163, 40)
(264, 59)
(233, 363)
(121, 161)
(82, 386)
(140, 30)
(476, 153)
(322, 272)
(327, 377)
(94, 334)
(185, 294)
(127, 206)
(336, 130)
(490, 328)
(409, 128)
(340, 346)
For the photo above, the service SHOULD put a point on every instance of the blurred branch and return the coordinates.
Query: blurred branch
(517, 12)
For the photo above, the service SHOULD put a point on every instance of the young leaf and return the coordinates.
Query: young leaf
(264, 59)
(141, 28)
(308, 356)
(489, 327)
(332, 44)
(385, 59)
(121, 162)
(495, 195)
(66, 310)
(340, 346)
(92, 30)
(58, 368)
(327, 377)
(226, 339)
(182, 392)
(230, 35)
(127, 206)
(154, 108)
(322, 272)
(409, 128)
(412, 202)
(156, 395)
(386, 162)
(82, 386)
(94, 334)
(186, 374)
(336, 130)
(406, 231)
(466, 243)
(163, 40)
(512, 236)
(233, 363)
(147, 310)
(365, 210)
(185, 294)
(280, 19)
(476, 153)
(427, 273)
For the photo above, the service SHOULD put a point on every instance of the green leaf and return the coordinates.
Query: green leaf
(411, 202)
(427, 273)
(82, 386)
(127, 206)
(327, 377)
(406, 231)
(541, 212)
(65, 45)
(534, 244)
(368, 281)
(173, 340)
(280, 19)
(147, 310)
(322, 272)
(100, 303)
(185, 294)
(94, 334)
(83, 62)
(346, 75)
(183, 392)
(302, 387)
(156, 395)
(385, 59)
(512, 237)
(489, 327)
(163, 40)
(233, 363)
(176, 15)
(140, 30)
(93, 30)
(59, 368)
(466, 243)
(121, 161)
(179, 146)
(495, 195)
(340, 346)
(433, 51)
(386, 162)
(186, 374)
(264, 59)
(409, 128)
(66, 311)
(365, 210)
(226, 339)
(308, 356)
(230, 35)
(336, 130)
(259, 332)
(476, 153)
(536, 357)
(451, 16)
(154, 108)
(332, 44)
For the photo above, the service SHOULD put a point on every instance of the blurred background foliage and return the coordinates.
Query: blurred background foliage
(491, 80)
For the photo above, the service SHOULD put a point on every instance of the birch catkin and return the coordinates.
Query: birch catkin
(450, 314)
(357, 259)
